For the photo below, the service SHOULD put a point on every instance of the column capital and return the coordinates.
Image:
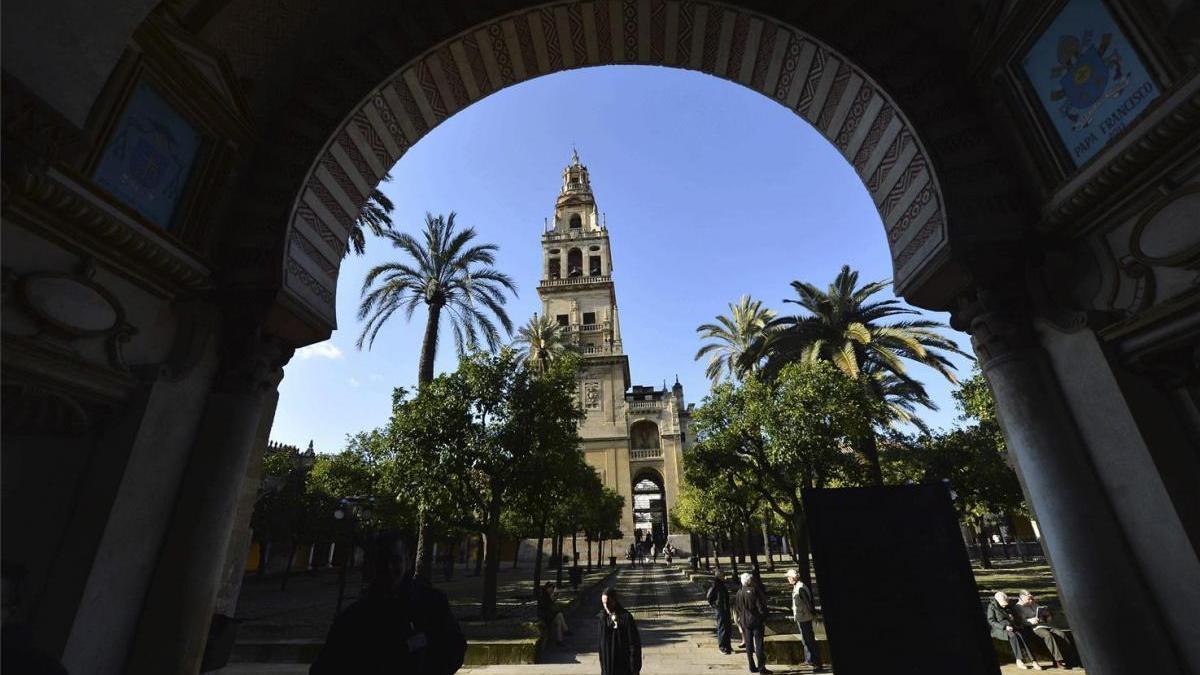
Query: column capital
(1000, 323)
(252, 363)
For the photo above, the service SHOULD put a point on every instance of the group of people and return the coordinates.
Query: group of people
(1018, 622)
(640, 551)
(748, 612)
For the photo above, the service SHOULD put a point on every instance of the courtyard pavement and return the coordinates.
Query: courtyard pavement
(675, 624)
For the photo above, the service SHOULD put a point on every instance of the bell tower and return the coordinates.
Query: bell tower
(577, 286)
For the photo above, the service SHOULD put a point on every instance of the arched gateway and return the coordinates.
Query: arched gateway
(1058, 230)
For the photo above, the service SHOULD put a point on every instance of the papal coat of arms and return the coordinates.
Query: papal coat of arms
(1088, 74)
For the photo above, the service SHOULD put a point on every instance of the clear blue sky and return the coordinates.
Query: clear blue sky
(711, 191)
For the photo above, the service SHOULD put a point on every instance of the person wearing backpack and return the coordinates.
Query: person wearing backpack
(803, 614)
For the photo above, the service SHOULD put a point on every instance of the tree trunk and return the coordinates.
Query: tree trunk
(985, 553)
(486, 542)
(767, 546)
(490, 542)
(800, 546)
(558, 561)
(1016, 538)
(574, 552)
(750, 548)
(287, 570)
(537, 560)
(589, 553)
(707, 545)
(264, 556)
(516, 552)
(424, 565)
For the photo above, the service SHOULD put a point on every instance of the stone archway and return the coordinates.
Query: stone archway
(650, 508)
(794, 68)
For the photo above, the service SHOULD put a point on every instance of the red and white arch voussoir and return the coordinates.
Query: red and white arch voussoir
(778, 60)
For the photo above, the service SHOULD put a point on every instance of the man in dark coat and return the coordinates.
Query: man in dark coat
(718, 599)
(751, 608)
(1000, 621)
(620, 644)
(399, 626)
(1035, 621)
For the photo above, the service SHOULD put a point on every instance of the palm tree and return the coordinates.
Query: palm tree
(738, 339)
(376, 216)
(448, 274)
(446, 271)
(542, 339)
(844, 326)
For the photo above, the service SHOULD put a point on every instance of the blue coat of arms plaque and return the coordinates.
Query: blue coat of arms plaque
(149, 157)
(1088, 77)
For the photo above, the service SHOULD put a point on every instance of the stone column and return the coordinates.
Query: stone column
(1117, 626)
(174, 624)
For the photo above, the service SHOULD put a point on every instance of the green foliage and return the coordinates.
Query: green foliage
(760, 444)
(375, 217)
(862, 338)
(737, 339)
(443, 269)
(972, 458)
(542, 340)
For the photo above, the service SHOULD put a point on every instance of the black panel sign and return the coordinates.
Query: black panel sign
(895, 583)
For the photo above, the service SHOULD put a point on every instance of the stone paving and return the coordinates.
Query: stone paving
(675, 624)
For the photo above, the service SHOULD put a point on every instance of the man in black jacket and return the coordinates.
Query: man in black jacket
(400, 626)
(620, 644)
(718, 599)
(751, 608)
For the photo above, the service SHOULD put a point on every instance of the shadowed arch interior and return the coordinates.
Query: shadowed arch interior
(818, 83)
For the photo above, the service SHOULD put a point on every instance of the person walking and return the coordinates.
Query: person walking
(718, 599)
(399, 626)
(752, 612)
(803, 613)
(620, 644)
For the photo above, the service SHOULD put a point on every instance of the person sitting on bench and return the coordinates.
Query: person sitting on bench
(550, 614)
(1004, 627)
(1035, 620)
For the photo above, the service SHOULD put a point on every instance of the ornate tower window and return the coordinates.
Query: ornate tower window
(576, 222)
(575, 263)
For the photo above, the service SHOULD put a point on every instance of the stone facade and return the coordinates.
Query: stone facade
(630, 433)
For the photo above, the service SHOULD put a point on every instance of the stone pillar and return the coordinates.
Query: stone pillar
(242, 535)
(1092, 560)
(174, 624)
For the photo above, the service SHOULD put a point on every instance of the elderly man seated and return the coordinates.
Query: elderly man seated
(1035, 620)
(1005, 627)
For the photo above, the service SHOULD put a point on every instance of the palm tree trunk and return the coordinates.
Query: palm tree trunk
(424, 376)
(868, 447)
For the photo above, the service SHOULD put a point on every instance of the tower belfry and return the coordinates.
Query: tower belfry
(577, 287)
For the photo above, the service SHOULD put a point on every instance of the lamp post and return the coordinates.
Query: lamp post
(349, 511)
